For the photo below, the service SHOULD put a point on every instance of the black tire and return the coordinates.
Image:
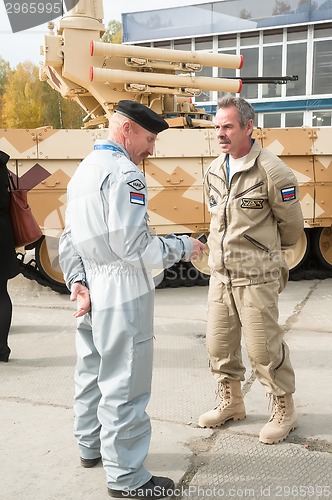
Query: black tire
(47, 259)
(322, 246)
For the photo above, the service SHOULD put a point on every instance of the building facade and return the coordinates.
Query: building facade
(276, 38)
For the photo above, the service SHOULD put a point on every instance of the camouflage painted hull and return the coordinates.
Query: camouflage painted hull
(45, 159)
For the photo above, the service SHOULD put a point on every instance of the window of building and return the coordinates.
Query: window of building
(205, 95)
(321, 32)
(162, 45)
(272, 120)
(249, 39)
(272, 37)
(250, 68)
(182, 44)
(322, 67)
(322, 118)
(203, 43)
(226, 72)
(226, 41)
(296, 65)
(294, 119)
(296, 35)
(272, 67)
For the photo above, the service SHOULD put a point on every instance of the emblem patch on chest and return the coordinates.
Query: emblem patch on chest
(137, 198)
(252, 203)
(212, 201)
(136, 184)
(288, 193)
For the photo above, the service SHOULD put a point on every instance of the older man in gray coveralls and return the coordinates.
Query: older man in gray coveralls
(107, 254)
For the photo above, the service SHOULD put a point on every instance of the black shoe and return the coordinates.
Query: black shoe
(157, 487)
(4, 354)
(89, 462)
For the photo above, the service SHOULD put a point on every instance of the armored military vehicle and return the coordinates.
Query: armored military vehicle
(97, 75)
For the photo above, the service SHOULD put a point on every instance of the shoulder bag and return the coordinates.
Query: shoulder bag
(25, 227)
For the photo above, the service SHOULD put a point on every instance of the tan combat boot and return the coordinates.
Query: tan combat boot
(282, 421)
(231, 406)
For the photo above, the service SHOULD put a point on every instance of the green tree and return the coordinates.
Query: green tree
(244, 14)
(72, 114)
(60, 112)
(29, 103)
(21, 98)
(281, 7)
(113, 33)
(5, 72)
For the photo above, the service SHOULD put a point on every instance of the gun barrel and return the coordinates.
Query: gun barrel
(165, 80)
(153, 53)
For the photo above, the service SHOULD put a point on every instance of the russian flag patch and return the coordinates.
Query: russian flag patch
(288, 193)
(137, 198)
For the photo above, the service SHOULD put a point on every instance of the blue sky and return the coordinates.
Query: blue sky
(25, 45)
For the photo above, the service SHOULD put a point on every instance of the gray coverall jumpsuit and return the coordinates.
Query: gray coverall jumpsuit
(107, 244)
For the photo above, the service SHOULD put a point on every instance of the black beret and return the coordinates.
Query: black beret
(142, 115)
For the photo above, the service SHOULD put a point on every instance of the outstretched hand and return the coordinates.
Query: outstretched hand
(198, 248)
(80, 293)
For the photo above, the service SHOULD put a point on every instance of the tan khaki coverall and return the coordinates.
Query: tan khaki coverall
(253, 219)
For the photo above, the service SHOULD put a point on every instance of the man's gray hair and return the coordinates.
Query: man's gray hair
(246, 112)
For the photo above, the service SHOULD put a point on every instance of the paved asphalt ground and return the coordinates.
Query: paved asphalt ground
(39, 457)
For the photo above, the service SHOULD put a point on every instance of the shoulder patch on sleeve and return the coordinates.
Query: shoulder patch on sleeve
(288, 193)
(137, 198)
(136, 184)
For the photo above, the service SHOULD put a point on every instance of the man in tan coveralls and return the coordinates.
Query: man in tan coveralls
(253, 201)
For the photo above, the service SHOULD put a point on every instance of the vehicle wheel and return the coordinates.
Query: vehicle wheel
(322, 246)
(47, 259)
(298, 253)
